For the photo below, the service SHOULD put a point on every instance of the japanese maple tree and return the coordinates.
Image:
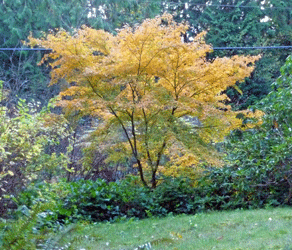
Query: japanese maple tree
(159, 100)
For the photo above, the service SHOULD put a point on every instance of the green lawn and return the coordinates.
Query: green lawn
(253, 229)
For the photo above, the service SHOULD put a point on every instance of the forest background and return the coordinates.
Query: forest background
(40, 143)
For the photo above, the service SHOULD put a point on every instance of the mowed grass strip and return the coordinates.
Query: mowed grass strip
(249, 229)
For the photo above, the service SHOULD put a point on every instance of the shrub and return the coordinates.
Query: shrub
(101, 201)
(24, 137)
(260, 159)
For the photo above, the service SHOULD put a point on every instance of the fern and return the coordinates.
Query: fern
(20, 235)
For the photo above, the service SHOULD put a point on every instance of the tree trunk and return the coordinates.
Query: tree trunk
(141, 173)
(153, 179)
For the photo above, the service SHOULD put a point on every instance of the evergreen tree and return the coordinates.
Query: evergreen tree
(19, 18)
(242, 23)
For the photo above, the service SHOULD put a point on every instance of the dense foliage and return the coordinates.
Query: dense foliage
(264, 155)
(25, 137)
(144, 85)
(247, 23)
(19, 18)
(258, 175)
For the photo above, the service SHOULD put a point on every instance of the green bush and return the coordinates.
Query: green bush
(101, 201)
(175, 196)
(260, 159)
(219, 189)
(25, 137)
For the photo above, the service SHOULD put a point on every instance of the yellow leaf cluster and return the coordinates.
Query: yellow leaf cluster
(143, 83)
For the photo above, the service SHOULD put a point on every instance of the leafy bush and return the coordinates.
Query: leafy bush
(220, 189)
(25, 137)
(101, 201)
(261, 158)
(175, 196)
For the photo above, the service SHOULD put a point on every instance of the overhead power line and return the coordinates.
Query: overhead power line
(256, 47)
(25, 49)
(229, 5)
(214, 48)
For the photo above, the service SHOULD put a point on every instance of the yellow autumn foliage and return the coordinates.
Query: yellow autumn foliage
(144, 83)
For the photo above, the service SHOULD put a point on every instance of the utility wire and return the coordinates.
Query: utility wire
(214, 48)
(25, 49)
(256, 47)
(197, 4)
(228, 5)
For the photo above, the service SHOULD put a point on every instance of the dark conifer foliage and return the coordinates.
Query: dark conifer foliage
(18, 18)
(243, 23)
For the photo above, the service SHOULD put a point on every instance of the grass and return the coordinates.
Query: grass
(249, 229)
